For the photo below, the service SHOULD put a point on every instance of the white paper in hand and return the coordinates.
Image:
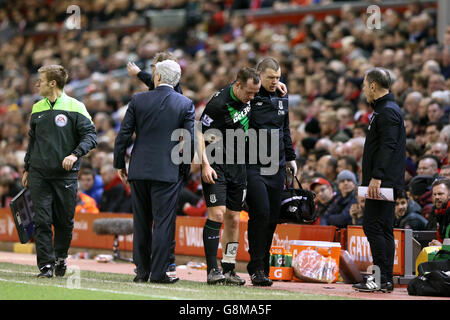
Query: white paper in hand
(386, 194)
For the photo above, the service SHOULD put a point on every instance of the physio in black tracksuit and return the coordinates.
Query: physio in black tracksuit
(154, 176)
(269, 112)
(61, 132)
(383, 165)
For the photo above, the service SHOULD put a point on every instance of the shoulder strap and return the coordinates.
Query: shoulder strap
(291, 185)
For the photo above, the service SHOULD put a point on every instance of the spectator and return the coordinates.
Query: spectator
(411, 104)
(432, 133)
(116, 196)
(347, 163)
(327, 166)
(9, 185)
(355, 148)
(85, 204)
(436, 112)
(338, 213)
(420, 192)
(87, 184)
(360, 130)
(411, 126)
(440, 216)
(439, 150)
(436, 82)
(428, 165)
(408, 214)
(324, 195)
(357, 211)
(329, 127)
(445, 171)
(328, 86)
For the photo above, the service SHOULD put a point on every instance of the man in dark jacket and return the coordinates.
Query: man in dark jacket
(153, 173)
(407, 214)
(116, 194)
(338, 213)
(61, 132)
(269, 112)
(324, 195)
(440, 216)
(383, 165)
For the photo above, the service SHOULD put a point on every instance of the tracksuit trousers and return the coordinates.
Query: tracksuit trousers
(378, 225)
(54, 202)
(264, 202)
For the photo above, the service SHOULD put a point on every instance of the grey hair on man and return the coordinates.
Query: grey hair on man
(170, 72)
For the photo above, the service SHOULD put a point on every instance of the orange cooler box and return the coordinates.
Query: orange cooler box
(324, 248)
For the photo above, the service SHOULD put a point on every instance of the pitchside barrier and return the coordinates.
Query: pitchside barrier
(189, 239)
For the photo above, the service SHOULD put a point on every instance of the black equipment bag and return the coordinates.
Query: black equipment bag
(23, 214)
(297, 205)
(433, 278)
(434, 283)
(424, 267)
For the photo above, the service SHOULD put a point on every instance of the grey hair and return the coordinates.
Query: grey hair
(170, 72)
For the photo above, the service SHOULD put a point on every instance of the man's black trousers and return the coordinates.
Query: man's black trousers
(54, 202)
(154, 204)
(378, 225)
(264, 201)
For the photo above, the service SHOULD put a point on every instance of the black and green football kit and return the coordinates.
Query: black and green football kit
(56, 130)
(225, 112)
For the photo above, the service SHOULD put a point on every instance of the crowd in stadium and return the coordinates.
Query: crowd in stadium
(322, 62)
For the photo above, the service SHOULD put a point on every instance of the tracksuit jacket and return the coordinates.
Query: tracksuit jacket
(384, 155)
(56, 132)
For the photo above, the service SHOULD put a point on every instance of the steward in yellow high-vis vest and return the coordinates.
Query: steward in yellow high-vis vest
(61, 132)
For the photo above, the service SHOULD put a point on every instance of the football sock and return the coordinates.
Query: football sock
(211, 236)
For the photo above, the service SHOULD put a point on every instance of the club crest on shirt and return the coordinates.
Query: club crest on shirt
(206, 120)
(61, 120)
(280, 104)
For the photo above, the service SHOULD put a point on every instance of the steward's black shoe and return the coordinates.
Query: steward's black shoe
(367, 286)
(166, 280)
(260, 279)
(60, 267)
(387, 287)
(46, 271)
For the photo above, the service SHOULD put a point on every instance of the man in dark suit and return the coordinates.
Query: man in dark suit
(153, 174)
(383, 166)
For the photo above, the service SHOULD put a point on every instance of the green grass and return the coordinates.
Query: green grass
(19, 282)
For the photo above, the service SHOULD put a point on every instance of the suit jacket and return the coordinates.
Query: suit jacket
(154, 115)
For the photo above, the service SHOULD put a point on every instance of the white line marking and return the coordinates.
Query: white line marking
(91, 289)
(151, 286)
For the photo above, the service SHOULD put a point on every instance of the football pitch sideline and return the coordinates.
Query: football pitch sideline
(19, 282)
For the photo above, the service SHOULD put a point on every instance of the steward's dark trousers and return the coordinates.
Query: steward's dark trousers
(378, 225)
(154, 204)
(54, 202)
(264, 201)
